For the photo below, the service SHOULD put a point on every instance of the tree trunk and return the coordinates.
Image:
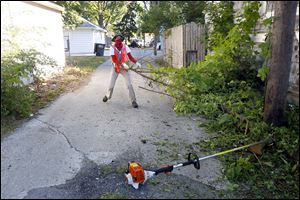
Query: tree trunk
(282, 43)
(101, 20)
(152, 4)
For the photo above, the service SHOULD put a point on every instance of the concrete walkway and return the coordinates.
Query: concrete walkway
(78, 128)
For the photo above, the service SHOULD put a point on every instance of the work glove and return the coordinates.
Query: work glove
(125, 66)
(138, 65)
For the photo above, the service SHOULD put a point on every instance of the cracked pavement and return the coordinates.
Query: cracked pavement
(58, 152)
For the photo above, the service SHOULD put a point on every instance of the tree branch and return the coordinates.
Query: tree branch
(156, 91)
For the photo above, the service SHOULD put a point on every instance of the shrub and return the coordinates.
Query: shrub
(18, 67)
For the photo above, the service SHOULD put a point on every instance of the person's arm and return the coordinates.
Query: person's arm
(131, 58)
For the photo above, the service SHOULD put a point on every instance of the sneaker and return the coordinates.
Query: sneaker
(105, 99)
(134, 104)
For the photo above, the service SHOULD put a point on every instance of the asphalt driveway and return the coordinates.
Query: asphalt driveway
(79, 147)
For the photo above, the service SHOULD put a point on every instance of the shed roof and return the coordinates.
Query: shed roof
(89, 25)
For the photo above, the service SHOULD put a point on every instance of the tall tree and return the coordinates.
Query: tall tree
(103, 13)
(71, 13)
(155, 5)
(127, 25)
(191, 11)
(278, 79)
(167, 14)
(152, 21)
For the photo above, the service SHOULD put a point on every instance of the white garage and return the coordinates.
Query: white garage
(82, 40)
(34, 25)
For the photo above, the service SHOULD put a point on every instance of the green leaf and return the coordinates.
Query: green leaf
(263, 72)
(268, 164)
(268, 21)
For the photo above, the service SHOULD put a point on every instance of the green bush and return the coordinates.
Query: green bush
(224, 89)
(17, 66)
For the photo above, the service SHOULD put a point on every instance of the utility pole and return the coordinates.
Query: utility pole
(156, 34)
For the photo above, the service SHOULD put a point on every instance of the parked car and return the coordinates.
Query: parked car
(134, 44)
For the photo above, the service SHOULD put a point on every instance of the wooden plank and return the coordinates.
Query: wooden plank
(188, 43)
(191, 56)
(203, 44)
(183, 45)
(192, 37)
(200, 42)
(180, 42)
(184, 38)
(195, 37)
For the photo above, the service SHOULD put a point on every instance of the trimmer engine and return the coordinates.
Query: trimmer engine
(136, 174)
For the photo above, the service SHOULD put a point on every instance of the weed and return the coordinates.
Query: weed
(153, 181)
(113, 196)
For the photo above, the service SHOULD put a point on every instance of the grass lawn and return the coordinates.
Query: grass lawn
(85, 63)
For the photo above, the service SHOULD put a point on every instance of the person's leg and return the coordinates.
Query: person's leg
(130, 88)
(113, 78)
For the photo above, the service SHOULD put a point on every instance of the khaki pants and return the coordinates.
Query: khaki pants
(113, 78)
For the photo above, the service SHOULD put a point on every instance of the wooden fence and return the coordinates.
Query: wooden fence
(184, 44)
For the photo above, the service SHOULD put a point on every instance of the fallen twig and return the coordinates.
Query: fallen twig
(242, 118)
(246, 129)
(149, 71)
(262, 168)
(155, 80)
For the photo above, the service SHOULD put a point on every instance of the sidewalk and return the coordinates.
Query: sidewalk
(62, 152)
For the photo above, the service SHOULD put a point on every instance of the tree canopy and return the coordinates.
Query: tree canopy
(102, 13)
(128, 25)
(168, 14)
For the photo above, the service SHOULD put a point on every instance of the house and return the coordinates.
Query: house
(83, 39)
(267, 10)
(34, 25)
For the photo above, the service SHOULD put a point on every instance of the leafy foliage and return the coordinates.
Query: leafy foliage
(127, 25)
(191, 11)
(18, 66)
(223, 89)
(172, 13)
(102, 13)
(263, 72)
(71, 13)
(220, 21)
(265, 48)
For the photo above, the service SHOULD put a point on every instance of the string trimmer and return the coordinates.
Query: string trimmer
(136, 174)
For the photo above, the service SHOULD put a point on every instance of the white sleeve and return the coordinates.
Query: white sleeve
(111, 51)
(128, 50)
